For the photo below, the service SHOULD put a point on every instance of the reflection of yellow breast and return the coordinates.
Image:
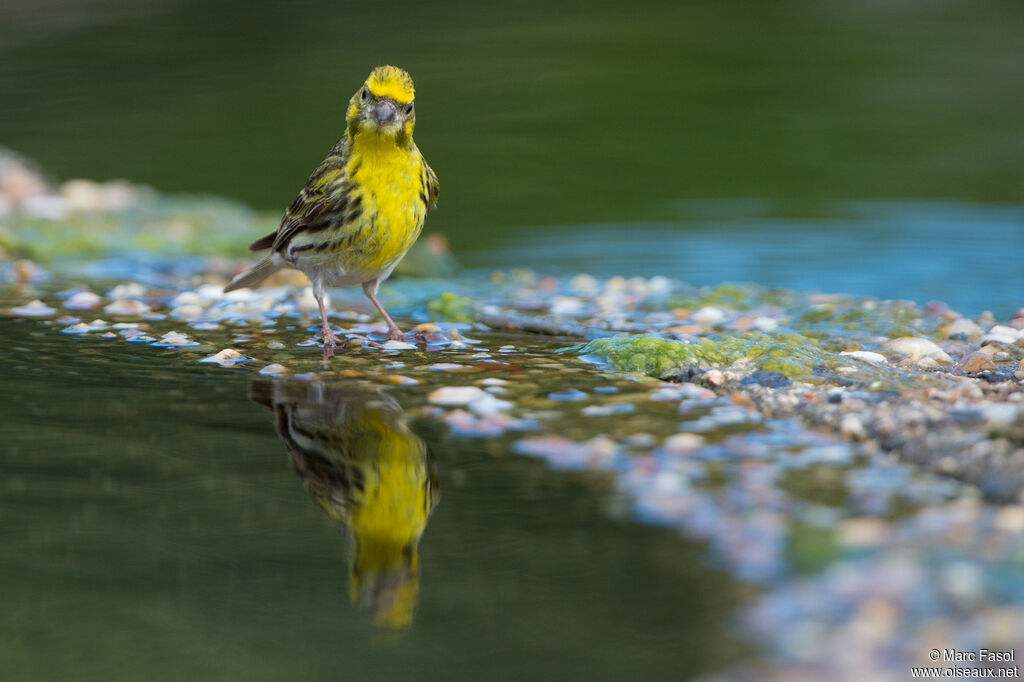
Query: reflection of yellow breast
(390, 177)
(395, 504)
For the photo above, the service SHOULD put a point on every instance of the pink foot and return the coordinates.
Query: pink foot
(329, 337)
(396, 334)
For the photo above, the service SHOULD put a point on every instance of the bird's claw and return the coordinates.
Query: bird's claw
(330, 339)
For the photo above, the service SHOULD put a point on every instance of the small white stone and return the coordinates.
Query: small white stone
(175, 339)
(1001, 415)
(83, 300)
(188, 312)
(866, 356)
(585, 285)
(1000, 334)
(765, 324)
(488, 405)
(34, 309)
(492, 381)
(127, 307)
(916, 348)
(1010, 519)
(127, 290)
(566, 305)
(456, 395)
(708, 315)
(392, 344)
(852, 427)
(226, 358)
(274, 370)
(683, 442)
(963, 325)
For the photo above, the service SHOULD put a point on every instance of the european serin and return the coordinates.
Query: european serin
(363, 207)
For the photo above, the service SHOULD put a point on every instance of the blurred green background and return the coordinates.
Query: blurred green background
(532, 113)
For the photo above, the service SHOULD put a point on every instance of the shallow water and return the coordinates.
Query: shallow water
(965, 255)
(154, 527)
(163, 511)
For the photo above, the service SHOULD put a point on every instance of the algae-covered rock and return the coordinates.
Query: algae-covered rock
(451, 307)
(790, 354)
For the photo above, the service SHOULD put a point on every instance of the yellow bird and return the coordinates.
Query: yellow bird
(370, 474)
(363, 207)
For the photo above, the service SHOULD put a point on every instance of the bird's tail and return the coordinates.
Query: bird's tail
(254, 275)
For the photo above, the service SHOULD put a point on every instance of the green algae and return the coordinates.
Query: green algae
(451, 307)
(792, 354)
(727, 295)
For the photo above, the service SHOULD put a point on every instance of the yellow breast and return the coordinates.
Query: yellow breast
(390, 179)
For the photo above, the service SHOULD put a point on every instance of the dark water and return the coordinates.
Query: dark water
(153, 522)
(533, 113)
(155, 527)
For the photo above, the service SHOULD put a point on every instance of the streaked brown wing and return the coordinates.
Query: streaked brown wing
(325, 194)
(433, 186)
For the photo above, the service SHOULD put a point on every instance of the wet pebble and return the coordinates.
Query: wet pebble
(392, 344)
(35, 308)
(969, 328)
(866, 356)
(767, 378)
(488, 404)
(127, 307)
(607, 410)
(174, 339)
(127, 290)
(975, 362)
(568, 395)
(274, 370)
(82, 300)
(564, 453)
(456, 395)
(451, 367)
(684, 442)
(226, 358)
(467, 424)
(919, 350)
(708, 315)
(398, 380)
(1006, 336)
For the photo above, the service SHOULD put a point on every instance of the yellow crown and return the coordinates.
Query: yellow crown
(393, 82)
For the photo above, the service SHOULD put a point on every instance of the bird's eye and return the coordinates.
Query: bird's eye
(408, 109)
(366, 93)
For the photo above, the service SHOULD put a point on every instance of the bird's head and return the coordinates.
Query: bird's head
(384, 105)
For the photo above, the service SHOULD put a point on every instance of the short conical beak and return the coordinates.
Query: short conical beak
(384, 113)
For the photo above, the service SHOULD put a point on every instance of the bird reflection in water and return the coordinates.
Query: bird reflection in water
(368, 472)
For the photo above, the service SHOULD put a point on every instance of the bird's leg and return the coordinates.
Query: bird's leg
(370, 289)
(329, 338)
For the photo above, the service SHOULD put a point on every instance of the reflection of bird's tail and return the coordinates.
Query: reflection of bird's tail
(254, 275)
